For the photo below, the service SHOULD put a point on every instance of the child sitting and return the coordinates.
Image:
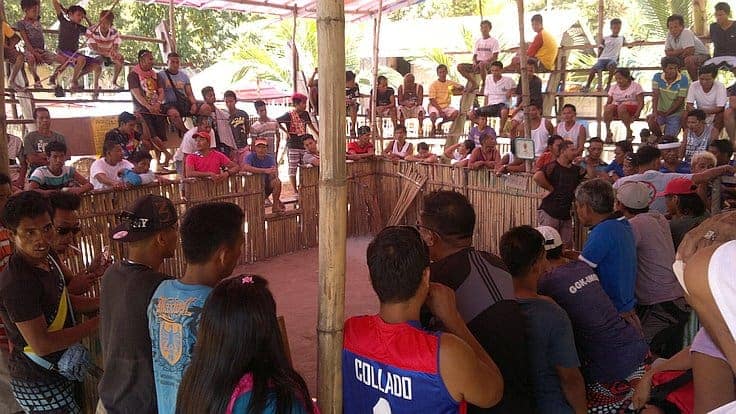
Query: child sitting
(70, 28)
(141, 173)
(12, 55)
(105, 40)
(31, 32)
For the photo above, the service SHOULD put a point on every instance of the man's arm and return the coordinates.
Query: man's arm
(35, 332)
(655, 102)
(709, 174)
(138, 95)
(534, 47)
(85, 304)
(573, 386)
(84, 184)
(676, 105)
(542, 181)
(58, 8)
(104, 179)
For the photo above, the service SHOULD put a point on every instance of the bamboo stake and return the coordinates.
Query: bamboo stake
(332, 192)
(295, 53)
(524, 81)
(376, 40)
(172, 29)
(599, 100)
(4, 163)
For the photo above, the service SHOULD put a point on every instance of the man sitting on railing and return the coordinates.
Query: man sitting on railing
(682, 44)
(208, 163)
(485, 51)
(31, 31)
(498, 90)
(723, 34)
(56, 176)
(105, 172)
(440, 92)
(263, 163)
(411, 98)
(105, 41)
(362, 148)
(176, 89)
(707, 94)
(12, 55)
(669, 90)
(34, 143)
(542, 50)
(70, 28)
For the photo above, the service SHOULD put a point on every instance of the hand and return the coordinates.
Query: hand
(273, 170)
(98, 266)
(221, 176)
(728, 169)
(80, 284)
(120, 185)
(193, 109)
(441, 302)
(642, 392)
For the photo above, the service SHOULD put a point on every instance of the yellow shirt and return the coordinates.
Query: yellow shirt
(547, 54)
(8, 31)
(441, 92)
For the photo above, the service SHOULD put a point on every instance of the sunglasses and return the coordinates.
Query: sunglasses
(63, 231)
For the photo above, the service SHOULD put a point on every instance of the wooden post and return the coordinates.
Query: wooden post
(332, 193)
(376, 40)
(480, 10)
(599, 99)
(699, 17)
(295, 55)
(4, 163)
(524, 81)
(172, 29)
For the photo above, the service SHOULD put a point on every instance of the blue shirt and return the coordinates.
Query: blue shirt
(266, 162)
(617, 168)
(611, 251)
(551, 344)
(682, 168)
(173, 319)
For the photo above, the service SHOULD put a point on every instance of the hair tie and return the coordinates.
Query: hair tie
(247, 279)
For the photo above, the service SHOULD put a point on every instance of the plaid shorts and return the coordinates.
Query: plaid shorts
(45, 397)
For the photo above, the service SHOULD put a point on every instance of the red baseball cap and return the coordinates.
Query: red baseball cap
(299, 97)
(678, 186)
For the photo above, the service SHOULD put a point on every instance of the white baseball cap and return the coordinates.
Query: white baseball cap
(552, 239)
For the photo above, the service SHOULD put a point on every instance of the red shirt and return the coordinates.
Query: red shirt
(212, 162)
(543, 160)
(355, 148)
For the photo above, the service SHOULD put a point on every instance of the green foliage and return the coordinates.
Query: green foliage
(656, 13)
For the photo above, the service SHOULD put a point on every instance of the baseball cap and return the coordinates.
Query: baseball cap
(299, 97)
(260, 141)
(678, 186)
(552, 239)
(125, 117)
(147, 216)
(365, 129)
(636, 194)
(203, 134)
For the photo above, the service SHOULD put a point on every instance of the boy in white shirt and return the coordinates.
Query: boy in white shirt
(608, 54)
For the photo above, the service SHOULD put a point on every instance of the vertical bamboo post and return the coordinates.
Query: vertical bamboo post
(4, 164)
(295, 54)
(332, 192)
(172, 28)
(524, 81)
(374, 81)
(599, 99)
(699, 17)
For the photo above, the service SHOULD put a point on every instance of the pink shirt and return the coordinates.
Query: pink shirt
(212, 162)
(627, 95)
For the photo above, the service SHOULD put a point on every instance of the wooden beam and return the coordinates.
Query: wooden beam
(4, 163)
(523, 79)
(172, 26)
(374, 77)
(333, 193)
(295, 54)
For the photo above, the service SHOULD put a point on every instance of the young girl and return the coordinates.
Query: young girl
(239, 365)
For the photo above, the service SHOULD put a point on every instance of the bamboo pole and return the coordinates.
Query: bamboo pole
(333, 193)
(4, 163)
(376, 40)
(523, 79)
(599, 100)
(172, 23)
(295, 54)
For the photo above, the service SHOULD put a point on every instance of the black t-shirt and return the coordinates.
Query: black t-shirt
(535, 91)
(564, 180)
(486, 301)
(239, 121)
(124, 141)
(353, 92)
(27, 292)
(724, 41)
(384, 98)
(127, 385)
(69, 34)
(296, 136)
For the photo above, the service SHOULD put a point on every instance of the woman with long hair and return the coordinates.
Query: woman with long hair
(239, 365)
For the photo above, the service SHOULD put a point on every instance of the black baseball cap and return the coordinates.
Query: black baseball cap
(147, 216)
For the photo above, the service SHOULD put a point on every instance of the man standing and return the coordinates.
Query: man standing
(560, 177)
(177, 93)
(535, 96)
(497, 90)
(682, 44)
(595, 150)
(37, 311)
(661, 306)
(610, 248)
(34, 143)
(144, 88)
(669, 89)
(265, 128)
(485, 51)
(295, 124)
(484, 293)
(239, 125)
(440, 94)
(149, 229)
(389, 363)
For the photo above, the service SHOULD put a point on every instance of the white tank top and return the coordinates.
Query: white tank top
(571, 134)
(539, 136)
(401, 153)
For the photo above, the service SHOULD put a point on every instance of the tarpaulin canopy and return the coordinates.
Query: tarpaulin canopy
(354, 9)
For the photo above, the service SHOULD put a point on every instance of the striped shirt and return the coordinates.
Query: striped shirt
(48, 181)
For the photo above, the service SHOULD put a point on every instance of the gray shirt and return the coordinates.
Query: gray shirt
(686, 39)
(180, 81)
(655, 253)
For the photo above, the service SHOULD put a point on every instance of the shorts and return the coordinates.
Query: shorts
(442, 113)
(349, 108)
(664, 325)
(156, 124)
(295, 158)
(413, 112)
(564, 227)
(56, 396)
(604, 64)
(671, 123)
(630, 108)
(44, 56)
(88, 60)
(385, 112)
(490, 110)
(11, 54)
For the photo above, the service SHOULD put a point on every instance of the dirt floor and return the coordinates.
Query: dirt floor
(293, 279)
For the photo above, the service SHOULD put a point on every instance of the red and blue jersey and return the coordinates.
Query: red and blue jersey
(393, 368)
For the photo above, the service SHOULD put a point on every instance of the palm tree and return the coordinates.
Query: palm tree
(656, 12)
